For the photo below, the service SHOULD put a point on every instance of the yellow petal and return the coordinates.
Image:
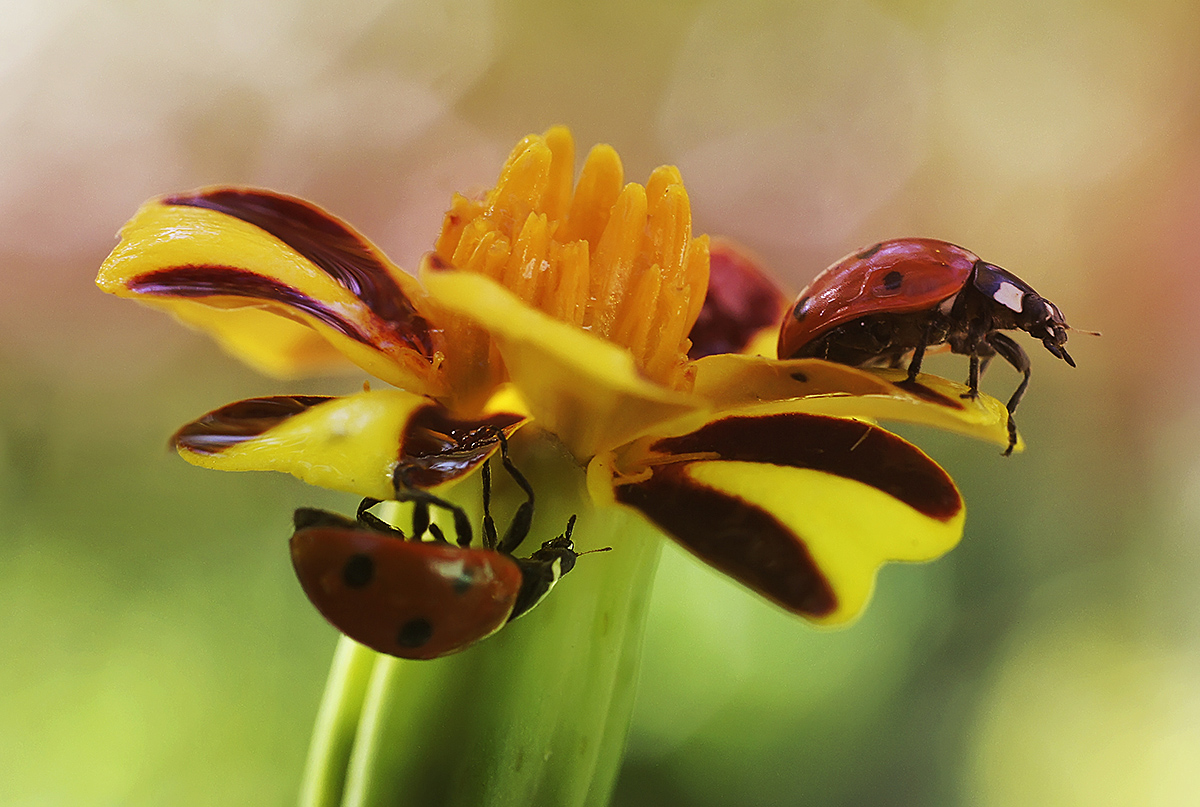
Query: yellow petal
(356, 443)
(823, 387)
(583, 389)
(803, 509)
(252, 267)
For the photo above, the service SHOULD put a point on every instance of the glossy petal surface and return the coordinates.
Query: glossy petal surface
(252, 267)
(584, 389)
(801, 508)
(826, 388)
(354, 443)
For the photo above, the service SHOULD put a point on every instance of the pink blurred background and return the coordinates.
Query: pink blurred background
(158, 651)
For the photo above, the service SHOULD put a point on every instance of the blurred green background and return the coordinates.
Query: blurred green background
(156, 649)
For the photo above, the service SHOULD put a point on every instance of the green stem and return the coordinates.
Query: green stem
(337, 723)
(536, 714)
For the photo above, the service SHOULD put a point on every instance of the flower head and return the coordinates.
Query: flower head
(582, 310)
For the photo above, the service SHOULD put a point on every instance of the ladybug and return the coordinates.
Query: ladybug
(412, 598)
(902, 296)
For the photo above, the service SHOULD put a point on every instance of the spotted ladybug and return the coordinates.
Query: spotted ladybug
(417, 599)
(902, 296)
(422, 599)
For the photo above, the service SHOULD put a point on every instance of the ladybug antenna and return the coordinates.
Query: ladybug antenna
(567, 535)
(1081, 330)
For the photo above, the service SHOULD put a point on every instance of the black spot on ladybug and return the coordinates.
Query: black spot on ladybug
(798, 312)
(415, 632)
(358, 572)
(892, 280)
(799, 376)
(869, 251)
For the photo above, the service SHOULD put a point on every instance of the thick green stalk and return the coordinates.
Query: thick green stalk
(538, 713)
(337, 724)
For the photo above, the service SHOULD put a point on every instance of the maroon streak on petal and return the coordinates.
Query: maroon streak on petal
(330, 245)
(929, 394)
(741, 301)
(229, 281)
(738, 538)
(436, 447)
(434, 261)
(240, 421)
(846, 448)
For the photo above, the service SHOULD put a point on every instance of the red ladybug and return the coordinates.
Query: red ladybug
(897, 297)
(417, 599)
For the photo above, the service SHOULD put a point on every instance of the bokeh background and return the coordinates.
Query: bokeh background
(154, 648)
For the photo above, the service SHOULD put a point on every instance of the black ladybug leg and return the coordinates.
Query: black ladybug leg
(914, 364)
(373, 521)
(422, 500)
(518, 528)
(489, 523)
(979, 363)
(420, 519)
(1012, 353)
(973, 378)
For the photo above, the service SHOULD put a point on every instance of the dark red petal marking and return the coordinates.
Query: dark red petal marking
(330, 245)
(929, 394)
(730, 534)
(847, 448)
(436, 447)
(219, 281)
(433, 448)
(741, 301)
(240, 421)
(435, 261)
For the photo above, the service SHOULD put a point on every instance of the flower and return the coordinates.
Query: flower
(622, 359)
(570, 309)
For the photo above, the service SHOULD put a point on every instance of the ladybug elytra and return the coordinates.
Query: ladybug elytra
(417, 599)
(422, 599)
(899, 297)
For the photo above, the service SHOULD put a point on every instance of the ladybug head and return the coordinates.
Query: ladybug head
(560, 549)
(1042, 320)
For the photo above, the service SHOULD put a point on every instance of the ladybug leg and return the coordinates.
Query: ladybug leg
(973, 378)
(422, 499)
(420, 519)
(518, 528)
(373, 521)
(1012, 353)
(914, 364)
(981, 357)
(489, 523)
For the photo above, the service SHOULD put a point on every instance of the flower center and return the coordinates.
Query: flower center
(618, 261)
